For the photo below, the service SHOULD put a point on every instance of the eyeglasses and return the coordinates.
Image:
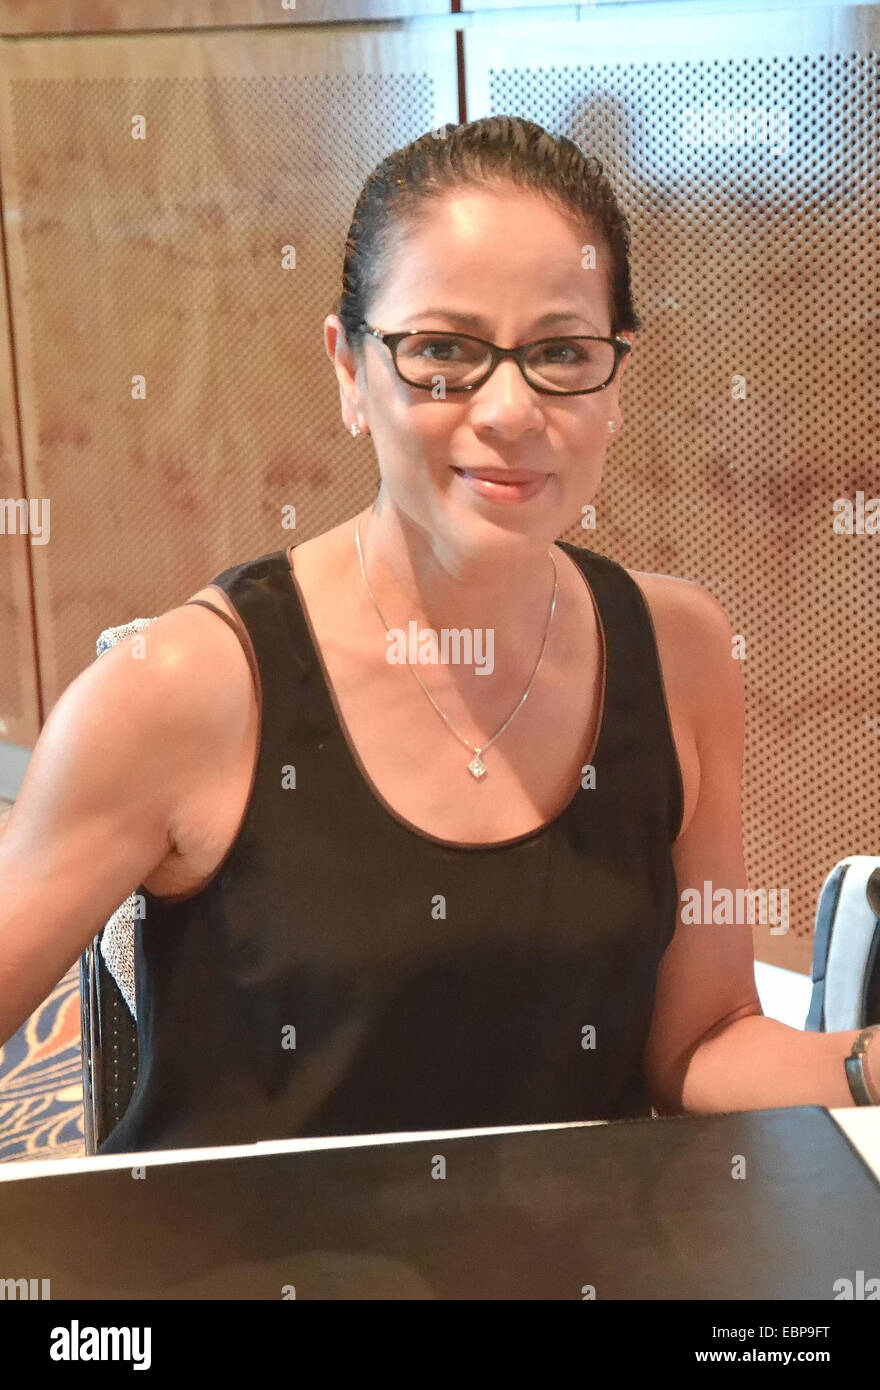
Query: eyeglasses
(568, 366)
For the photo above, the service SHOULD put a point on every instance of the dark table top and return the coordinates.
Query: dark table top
(766, 1204)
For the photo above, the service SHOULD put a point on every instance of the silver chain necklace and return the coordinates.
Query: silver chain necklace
(476, 766)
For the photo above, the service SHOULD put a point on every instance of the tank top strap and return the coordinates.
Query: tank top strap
(295, 702)
(240, 632)
(636, 706)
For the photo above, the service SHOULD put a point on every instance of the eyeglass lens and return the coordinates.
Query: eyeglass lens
(559, 364)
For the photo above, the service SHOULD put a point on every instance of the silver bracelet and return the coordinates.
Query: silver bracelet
(855, 1068)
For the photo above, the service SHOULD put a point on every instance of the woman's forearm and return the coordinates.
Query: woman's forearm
(758, 1063)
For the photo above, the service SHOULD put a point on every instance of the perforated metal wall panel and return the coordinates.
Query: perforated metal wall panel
(754, 260)
(161, 259)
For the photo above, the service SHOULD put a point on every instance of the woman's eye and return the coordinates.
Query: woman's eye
(556, 352)
(439, 346)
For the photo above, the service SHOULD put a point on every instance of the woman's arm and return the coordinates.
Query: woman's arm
(98, 807)
(760, 1063)
(710, 1047)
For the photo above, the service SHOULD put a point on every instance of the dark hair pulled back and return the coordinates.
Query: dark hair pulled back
(482, 153)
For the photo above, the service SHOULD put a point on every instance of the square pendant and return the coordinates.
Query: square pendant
(477, 767)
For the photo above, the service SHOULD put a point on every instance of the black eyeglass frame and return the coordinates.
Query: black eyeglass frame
(620, 345)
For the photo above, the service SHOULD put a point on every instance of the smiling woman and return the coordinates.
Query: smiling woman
(460, 220)
(458, 895)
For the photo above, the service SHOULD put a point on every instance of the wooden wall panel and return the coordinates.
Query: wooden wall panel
(752, 399)
(162, 258)
(19, 685)
(34, 17)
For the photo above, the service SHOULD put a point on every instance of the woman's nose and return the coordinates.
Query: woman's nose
(506, 391)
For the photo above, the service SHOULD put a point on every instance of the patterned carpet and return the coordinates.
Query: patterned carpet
(41, 1103)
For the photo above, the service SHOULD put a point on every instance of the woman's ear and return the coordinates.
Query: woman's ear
(345, 366)
(630, 338)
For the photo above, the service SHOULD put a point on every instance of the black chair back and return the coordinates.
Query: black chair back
(109, 1047)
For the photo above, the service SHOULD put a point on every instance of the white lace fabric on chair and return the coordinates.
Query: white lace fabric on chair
(117, 937)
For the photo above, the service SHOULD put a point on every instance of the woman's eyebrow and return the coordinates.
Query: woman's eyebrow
(475, 322)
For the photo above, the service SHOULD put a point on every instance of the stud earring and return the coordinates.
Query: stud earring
(611, 425)
(354, 430)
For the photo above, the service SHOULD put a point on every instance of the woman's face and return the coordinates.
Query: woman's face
(508, 260)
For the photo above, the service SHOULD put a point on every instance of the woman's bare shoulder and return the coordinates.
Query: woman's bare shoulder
(220, 728)
(678, 608)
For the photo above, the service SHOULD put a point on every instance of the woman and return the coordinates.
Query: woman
(381, 899)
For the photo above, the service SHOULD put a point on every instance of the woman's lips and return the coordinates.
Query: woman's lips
(498, 488)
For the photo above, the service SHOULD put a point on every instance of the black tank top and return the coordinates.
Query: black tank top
(344, 972)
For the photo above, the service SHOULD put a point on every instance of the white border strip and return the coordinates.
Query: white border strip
(861, 1125)
(150, 1158)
